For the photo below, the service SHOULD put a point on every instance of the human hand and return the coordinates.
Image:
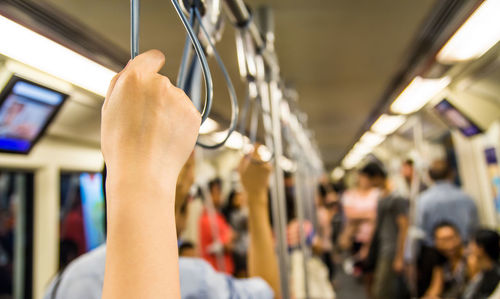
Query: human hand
(149, 126)
(254, 173)
(215, 248)
(398, 265)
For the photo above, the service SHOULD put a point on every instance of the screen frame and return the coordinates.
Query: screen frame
(7, 90)
(449, 124)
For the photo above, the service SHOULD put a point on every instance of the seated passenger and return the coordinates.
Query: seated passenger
(143, 145)
(216, 236)
(450, 271)
(485, 250)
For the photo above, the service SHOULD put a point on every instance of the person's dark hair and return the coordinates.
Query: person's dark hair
(443, 224)
(338, 187)
(373, 170)
(489, 241)
(440, 170)
(229, 207)
(213, 183)
(185, 246)
(68, 252)
(322, 190)
(409, 162)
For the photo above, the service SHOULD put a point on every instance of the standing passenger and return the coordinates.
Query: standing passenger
(216, 236)
(445, 202)
(387, 247)
(360, 208)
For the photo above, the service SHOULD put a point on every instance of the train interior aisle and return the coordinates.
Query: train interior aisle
(372, 129)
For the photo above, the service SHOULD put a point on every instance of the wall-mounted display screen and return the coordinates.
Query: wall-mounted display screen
(82, 214)
(26, 110)
(453, 117)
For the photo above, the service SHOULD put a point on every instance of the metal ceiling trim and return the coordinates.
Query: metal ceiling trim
(48, 21)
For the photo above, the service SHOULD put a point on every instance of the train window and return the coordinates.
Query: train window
(82, 217)
(16, 234)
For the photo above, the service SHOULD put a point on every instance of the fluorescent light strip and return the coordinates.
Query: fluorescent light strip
(351, 160)
(28, 47)
(338, 173)
(388, 124)
(418, 93)
(476, 36)
(372, 139)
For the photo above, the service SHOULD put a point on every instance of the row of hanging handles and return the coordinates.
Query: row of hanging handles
(195, 19)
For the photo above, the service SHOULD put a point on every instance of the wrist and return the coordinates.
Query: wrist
(120, 184)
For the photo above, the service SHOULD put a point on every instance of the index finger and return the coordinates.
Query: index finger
(148, 62)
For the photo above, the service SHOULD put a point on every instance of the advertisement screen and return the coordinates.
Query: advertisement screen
(26, 109)
(457, 119)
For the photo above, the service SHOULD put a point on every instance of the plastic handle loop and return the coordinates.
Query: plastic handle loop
(230, 87)
(209, 88)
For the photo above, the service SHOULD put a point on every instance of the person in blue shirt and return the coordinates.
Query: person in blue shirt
(145, 145)
(445, 202)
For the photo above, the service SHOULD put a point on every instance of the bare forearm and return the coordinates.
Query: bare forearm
(262, 260)
(402, 233)
(142, 259)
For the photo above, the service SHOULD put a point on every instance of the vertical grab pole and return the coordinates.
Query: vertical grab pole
(300, 197)
(134, 28)
(280, 200)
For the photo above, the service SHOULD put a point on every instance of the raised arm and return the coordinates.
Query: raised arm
(149, 129)
(262, 260)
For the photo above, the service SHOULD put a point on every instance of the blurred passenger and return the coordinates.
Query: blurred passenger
(386, 256)
(216, 235)
(72, 226)
(449, 274)
(83, 278)
(236, 213)
(442, 202)
(445, 202)
(408, 173)
(195, 206)
(327, 209)
(360, 209)
(485, 252)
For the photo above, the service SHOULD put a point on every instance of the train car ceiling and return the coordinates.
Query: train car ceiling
(341, 74)
(349, 80)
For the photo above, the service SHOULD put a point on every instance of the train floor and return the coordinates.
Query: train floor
(347, 286)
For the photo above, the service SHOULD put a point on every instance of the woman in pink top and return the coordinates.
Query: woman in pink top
(360, 209)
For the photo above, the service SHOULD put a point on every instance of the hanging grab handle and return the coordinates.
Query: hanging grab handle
(230, 87)
(209, 88)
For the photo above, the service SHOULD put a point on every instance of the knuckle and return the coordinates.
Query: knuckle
(165, 81)
(131, 76)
